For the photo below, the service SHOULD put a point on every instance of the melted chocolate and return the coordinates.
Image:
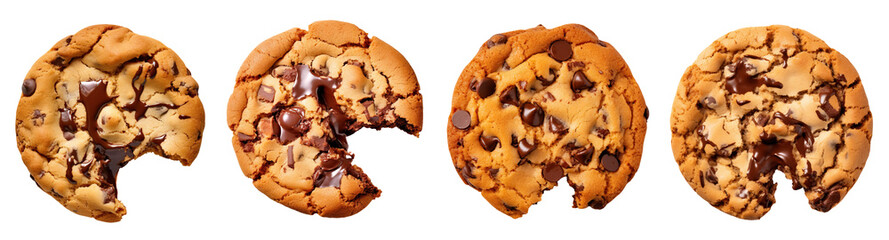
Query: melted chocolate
(138, 106)
(331, 170)
(322, 88)
(290, 124)
(742, 82)
(67, 123)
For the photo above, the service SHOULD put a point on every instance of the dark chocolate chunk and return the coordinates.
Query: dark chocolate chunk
(645, 114)
(461, 119)
(265, 94)
(560, 50)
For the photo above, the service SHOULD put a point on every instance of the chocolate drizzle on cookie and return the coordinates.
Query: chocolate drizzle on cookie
(308, 83)
(138, 106)
(742, 82)
(772, 152)
(94, 96)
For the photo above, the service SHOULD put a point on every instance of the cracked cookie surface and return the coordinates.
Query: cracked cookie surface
(540, 104)
(96, 101)
(770, 98)
(299, 94)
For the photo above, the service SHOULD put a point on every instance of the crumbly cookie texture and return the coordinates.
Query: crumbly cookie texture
(96, 101)
(299, 94)
(539, 104)
(770, 98)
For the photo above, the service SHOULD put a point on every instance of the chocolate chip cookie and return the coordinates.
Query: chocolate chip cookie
(96, 101)
(299, 95)
(540, 104)
(770, 98)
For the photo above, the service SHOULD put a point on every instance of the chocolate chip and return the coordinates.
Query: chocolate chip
(645, 114)
(489, 143)
(742, 102)
(709, 102)
(579, 82)
(597, 204)
(461, 119)
(560, 50)
(244, 137)
(510, 96)
(473, 85)
(583, 155)
(466, 171)
(59, 61)
(159, 139)
(493, 172)
(552, 172)
(265, 94)
(495, 40)
(575, 65)
(761, 120)
(545, 81)
(830, 102)
(514, 141)
(602, 133)
(486, 87)
(742, 192)
(67, 123)
(609, 162)
(532, 114)
(711, 176)
(29, 86)
(526, 147)
(828, 200)
(175, 69)
(557, 126)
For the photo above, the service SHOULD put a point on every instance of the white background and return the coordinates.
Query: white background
(423, 196)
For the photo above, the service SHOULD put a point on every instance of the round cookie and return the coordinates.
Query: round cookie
(770, 98)
(299, 94)
(539, 104)
(96, 101)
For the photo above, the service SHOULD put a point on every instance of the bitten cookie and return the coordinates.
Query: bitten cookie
(299, 94)
(96, 101)
(539, 104)
(770, 98)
